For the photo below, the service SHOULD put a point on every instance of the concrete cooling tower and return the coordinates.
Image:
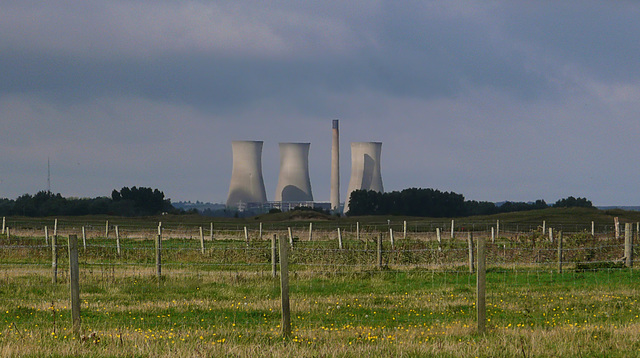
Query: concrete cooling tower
(247, 184)
(365, 169)
(293, 182)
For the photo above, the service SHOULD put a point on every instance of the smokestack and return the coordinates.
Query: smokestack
(293, 182)
(365, 169)
(247, 185)
(335, 167)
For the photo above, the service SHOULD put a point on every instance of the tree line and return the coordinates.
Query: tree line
(125, 202)
(435, 203)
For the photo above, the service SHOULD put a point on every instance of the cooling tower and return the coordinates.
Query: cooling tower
(247, 185)
(293, 181)
(335, 167)
(365, 168)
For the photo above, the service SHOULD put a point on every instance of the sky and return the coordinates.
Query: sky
(495, 100)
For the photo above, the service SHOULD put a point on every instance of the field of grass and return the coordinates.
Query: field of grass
(226, 302)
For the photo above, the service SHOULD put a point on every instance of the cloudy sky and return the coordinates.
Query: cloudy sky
(496, 100)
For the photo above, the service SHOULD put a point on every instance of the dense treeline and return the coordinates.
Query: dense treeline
(126, 202)
(435, 203)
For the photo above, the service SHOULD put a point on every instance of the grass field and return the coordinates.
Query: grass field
(226, 302)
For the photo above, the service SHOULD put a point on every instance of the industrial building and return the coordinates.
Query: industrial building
(247, 191)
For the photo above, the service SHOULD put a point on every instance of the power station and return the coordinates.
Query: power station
(247, 191)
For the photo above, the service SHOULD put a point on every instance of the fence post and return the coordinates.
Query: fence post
(8, 233)
(559, 251)
(74, 283)
(84, 239)
(310, 231)
(393, 244)
(470, 242)
(616, 223)
(593, 229)
(379, 258)
(201, 240)
(54, 259)
(439, 238)
(46, 235)
(246, 236)
(273, 255)
(260, 232)
(117, 239)
(452, 227)
(106, 229)
(497, 228)
(284, 288)
(544, 226)
(339, 239)
(493, 235)
(550, 234)
(3, 222)
(158, 255)
(481, 286)
(404, 230)
(628, 245)
(290, 236)
(55, 227)
(357, 230)
(211, 231)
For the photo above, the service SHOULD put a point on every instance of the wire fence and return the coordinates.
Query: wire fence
(366, 282)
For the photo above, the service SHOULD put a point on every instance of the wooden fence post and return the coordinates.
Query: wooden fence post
(201, 241)
(74, 283)
(544, 227)
(260, 232)
(393, 244)
(3, 224)
(493, 235)
(273, 255)
(84, 239)
(54, 258)
(379, 250)
(159, 256)
(310, 231)
(593, 229)
(452, 228)
(46, 235)
(339, 239)
(470, 242)
(117, 239)
(8, 233)
(246, 236)
(559, 251)
(550, 234)
(628, 245)
(357, 230)
(404, 229)
(55, 227)
(106, 229)
(616, 224)
(439, 238)
(481, 286)
(497, 228)
(290, 236)
(284, 288)
(211, 231)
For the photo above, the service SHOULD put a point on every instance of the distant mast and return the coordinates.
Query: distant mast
(48, 176)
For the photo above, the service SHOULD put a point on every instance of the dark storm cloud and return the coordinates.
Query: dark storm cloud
(497, 100)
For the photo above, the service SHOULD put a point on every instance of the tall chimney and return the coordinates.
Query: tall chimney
(335, 168)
